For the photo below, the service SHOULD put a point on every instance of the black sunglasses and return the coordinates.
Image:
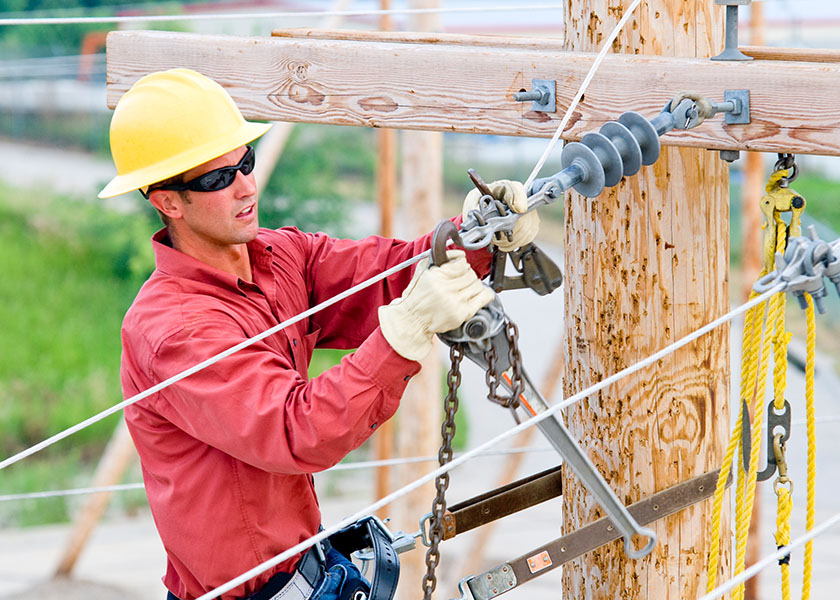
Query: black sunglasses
(215, 180)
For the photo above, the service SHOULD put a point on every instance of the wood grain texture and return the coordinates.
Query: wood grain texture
(828, 55)
(469, 88)
(647, 263)
(412, 37)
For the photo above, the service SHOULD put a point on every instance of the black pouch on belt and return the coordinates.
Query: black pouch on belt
(367, 534)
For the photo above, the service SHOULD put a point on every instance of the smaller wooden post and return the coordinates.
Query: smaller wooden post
(118, 453)
(420, 411)
(386, 188)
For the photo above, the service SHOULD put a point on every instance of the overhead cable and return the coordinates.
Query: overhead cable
(272, 15)
(771, 560)
(348, 466)
(210, 361)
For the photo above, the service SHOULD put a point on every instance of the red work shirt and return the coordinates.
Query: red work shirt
(227, 453)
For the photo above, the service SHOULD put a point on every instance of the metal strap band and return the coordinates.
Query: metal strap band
(502, 502)
(509, 575)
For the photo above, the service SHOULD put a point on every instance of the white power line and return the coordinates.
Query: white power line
(273, 15)
(772, 559)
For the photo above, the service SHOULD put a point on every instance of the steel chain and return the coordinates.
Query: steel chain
(515, 358)
(453, 380)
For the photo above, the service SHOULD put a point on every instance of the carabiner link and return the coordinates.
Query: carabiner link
(781, 464)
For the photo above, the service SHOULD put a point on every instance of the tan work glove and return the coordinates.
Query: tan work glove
(513, 192)
(436, 300)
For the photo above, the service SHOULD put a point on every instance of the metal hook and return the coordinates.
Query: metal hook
(444, 231)
(774, 420)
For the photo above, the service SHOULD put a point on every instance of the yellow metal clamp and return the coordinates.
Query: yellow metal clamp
(779, 199)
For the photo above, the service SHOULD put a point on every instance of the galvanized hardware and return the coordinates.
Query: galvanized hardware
(735, 106)
(730, 50)
(802, 267)
(489, 585)
(779, 453)
(777, 424)
(536, 271)
(542, 95)
(787, 162)
(729, 156)
(477, 332)
(586, 539)
(436, 527)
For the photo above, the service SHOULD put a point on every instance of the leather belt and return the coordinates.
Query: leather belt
(367, 533)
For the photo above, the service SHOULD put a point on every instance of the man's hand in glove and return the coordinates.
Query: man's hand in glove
(438, 299)
(513, 193)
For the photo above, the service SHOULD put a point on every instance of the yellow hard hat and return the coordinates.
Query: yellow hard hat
(170, 122)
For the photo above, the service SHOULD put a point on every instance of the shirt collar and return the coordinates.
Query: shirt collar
(170, 261)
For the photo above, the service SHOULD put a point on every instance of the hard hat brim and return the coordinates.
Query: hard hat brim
(180, 163)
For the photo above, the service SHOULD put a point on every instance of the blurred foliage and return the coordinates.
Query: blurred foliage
(70, 270)
(82, 131)
(62, 39)
(322, 171)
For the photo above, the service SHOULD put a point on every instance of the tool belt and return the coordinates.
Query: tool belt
(309, 574)
(307, 577)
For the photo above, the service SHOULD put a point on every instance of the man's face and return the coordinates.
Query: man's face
(221, 218)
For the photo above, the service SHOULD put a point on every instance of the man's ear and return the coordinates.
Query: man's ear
(167, 202)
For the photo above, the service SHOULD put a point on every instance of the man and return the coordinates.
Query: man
(228, 453)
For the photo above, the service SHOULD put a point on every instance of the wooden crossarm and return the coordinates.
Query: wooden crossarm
(467, 86)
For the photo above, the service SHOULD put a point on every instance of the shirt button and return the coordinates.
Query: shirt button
(407, 377)
(373, 425)
(294, 343)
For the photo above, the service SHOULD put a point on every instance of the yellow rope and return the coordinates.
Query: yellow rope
(758, 337)
(812, 445)
(784, 506)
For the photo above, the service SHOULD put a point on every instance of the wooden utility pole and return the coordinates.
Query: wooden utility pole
(420, 413)
(647, 263)
(386, 191)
